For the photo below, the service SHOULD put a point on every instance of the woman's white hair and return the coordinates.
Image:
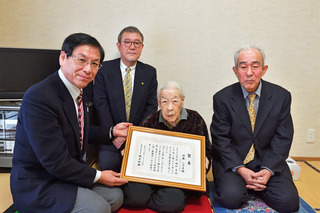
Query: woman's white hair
(170, 85)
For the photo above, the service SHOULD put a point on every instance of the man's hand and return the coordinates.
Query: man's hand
(207, 163)
(118, 141)
(111, 178)
(251, 178)
(262, 176)
(121, 129)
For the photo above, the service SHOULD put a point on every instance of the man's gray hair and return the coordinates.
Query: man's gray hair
(170, 85)
(247, 47)
(130, 29)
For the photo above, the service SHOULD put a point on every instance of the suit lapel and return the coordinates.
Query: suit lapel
(139, 85)
(239, 107)
(69, 108)
(86, 121)
(265, 105)
(116, 87)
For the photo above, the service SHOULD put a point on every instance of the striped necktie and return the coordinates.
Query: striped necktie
(252, 115)
(127, 87)
(80, 119)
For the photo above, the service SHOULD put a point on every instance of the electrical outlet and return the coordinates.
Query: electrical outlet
(311, 135)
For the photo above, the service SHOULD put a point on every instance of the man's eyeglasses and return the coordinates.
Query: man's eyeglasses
(136, 44)
(84, 62)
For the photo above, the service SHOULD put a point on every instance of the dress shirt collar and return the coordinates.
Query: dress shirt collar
(257, 92)
(73, 90)
(123, 68)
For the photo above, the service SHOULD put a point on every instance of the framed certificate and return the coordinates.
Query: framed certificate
(164, 158)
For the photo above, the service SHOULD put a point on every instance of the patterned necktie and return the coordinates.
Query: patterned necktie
(127, 87)
(252, 115)
(80, 119)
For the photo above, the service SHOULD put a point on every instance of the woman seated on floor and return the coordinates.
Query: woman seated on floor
(171, 116)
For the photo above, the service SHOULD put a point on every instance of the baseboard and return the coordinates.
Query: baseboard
(306, 158)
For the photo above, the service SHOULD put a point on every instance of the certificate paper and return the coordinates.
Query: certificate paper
(164, 158)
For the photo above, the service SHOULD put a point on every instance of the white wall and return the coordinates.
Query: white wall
(192, 42)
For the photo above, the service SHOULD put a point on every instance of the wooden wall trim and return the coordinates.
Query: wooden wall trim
(306, 158)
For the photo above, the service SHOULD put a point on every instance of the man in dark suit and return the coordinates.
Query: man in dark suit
(262, 128)
(112, 106)
(48, 171)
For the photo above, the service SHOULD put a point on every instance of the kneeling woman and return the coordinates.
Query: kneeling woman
(172, 116)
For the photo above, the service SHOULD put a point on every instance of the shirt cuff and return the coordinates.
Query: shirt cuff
(234, 169)
(263, 167)
(111, 132)
(98, 175)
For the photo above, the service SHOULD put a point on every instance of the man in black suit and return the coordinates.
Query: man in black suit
(48, 171)
(267, 132)
(110, 101)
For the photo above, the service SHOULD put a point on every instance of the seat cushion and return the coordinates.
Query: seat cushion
(194, 205)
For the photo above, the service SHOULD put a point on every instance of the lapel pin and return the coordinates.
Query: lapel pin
(142, 83)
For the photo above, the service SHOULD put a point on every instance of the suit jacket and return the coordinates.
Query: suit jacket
(109, 95)
(231, 131)
(48, 164)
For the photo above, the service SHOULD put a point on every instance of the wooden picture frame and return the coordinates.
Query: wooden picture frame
(164, 158)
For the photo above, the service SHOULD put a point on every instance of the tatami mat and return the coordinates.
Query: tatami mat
(308, 185)
(5, 194)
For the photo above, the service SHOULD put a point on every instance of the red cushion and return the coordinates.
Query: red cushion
(194, 205)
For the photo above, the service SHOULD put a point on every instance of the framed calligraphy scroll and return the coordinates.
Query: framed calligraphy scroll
(164, 158)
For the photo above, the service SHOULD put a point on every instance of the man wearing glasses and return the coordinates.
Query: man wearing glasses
(124, 91)
(48, 171)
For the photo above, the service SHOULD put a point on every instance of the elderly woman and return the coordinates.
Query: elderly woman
(172, 116)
